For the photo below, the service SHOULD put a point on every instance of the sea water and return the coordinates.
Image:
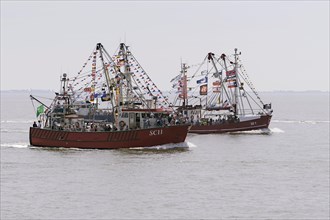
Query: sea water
(281, 174)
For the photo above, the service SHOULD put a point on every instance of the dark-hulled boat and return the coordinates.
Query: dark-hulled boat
(231, 104)
(107, 107)
(42, 137)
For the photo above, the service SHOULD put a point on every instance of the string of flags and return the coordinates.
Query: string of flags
(146, 84)
(90, 85)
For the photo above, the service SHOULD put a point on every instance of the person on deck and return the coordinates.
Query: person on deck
(35, 124)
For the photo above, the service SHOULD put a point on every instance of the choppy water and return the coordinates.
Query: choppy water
(248, 175)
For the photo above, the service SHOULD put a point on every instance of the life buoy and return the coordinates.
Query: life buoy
(121, 123)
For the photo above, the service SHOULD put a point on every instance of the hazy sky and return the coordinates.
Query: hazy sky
(284, 45)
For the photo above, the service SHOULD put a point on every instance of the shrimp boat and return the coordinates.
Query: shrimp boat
(219, 97)
(114, 104)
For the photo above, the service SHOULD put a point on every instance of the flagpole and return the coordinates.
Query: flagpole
(33, 98)
(235, 91)
(184, 89)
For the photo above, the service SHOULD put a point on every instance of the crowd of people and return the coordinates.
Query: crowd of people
(148, 122)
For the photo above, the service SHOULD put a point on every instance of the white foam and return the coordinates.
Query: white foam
(276, 130)
(183, 145)
(300, 122)
(15, 145)
(190, 145)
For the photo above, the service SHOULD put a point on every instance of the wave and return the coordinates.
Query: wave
(183, 145)
(264, 131)
(14, 131)
(300, 121)
(190, 145)
(259, 131)
(276, 130)
(178, 146)
(16, 145)
(17, 121)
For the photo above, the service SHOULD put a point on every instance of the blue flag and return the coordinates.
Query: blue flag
(204, 80)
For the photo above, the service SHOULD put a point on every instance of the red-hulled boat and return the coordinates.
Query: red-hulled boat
(108, 140)
(231, 104)
(109, 107)
(247, 124)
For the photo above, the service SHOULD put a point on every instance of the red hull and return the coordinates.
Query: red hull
(253, 124)
(108, 140)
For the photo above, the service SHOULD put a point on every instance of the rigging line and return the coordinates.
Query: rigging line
(89, 58)
(86, 77)
(218, 60)
(117, 50)
(194, 65)
(148, 76)
(145, 82)
(248, 101)
(223, 88)
(176, 99)
(212, 97)
(86, 74)
(244, 73)
(199, 67)
(256, 103)
(138, 95)
(34, 108)
(242, 104)
(195, 90)
(252, 88)
(43, 97)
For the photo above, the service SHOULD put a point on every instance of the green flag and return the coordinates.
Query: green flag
(40, 110)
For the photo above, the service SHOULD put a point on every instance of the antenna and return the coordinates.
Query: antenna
(181, 64)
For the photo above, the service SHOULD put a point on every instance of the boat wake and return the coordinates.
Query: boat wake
(276, 130)
(15, 145)
(179, 146)
(300, 122)
(185, 145)
(265, 131)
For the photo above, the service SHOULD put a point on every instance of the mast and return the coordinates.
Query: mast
(63, 84)
(236, 87)
(211, 57)
(184, 92)
(100, 48)
(123, 51)
(63, 91)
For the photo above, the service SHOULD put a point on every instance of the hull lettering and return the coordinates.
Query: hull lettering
(156, 132)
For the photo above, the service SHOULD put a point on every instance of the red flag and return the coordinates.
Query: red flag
(231, 73)
(216, 83)
(88, 89)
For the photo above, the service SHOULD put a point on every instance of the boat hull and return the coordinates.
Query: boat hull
(255, 123)
(108, 140)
